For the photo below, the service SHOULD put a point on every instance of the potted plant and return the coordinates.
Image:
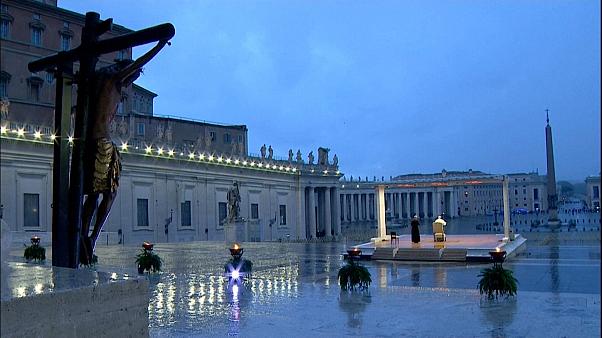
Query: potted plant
(147, 260)
(354, 275)
(497, 281)
(35, 251)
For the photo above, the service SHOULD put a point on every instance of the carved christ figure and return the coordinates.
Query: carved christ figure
(102, 163)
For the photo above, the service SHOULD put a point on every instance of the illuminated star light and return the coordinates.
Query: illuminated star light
(52, 137)
(3, 129)
(71, 139)
(191, 156)
(124, 146)
(37, 134)
(21, 132)
(171, 152)
(160, 151)
(148, 149)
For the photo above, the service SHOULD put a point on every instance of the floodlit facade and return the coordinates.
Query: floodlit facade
(176, 172)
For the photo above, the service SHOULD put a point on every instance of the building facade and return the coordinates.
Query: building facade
(176, 172)
(448, 193)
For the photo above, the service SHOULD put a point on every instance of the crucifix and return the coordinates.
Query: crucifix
(95, 164)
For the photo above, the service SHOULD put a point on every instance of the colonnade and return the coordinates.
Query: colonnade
(358, 206)
(320, 212)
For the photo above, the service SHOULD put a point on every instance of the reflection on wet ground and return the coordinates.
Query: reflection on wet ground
(294, 289)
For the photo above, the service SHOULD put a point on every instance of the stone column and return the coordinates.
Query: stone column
(327, 213)
(436, 203)
(352, 207)
(311, 204)
(380, 211)
(301, 232)
(506, 197)
(335, 211)
(404, 204)
(400, 205)
(425, 202)
(416, 204)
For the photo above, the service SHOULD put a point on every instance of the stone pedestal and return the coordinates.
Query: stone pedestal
(235, 231)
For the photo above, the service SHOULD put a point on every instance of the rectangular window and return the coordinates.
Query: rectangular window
(142, 210)
(282, 214)
(121, 54)
(186, 214)
(4, 29)
(516, 191)
(65, 42)
(596, 192)
(31, 210)
(140, 129)
(227, 138)
(222, 211)
(524, 191)
(212, 135)
(3, 87)
(36, 36)
(239, 138)
(254, 211)
(34, 92)
(536, 194)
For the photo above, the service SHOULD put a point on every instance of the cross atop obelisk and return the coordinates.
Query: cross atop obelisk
(553, 221)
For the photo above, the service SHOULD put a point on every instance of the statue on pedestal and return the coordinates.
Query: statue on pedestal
(290, 155)
(299, 157)
(310, 158)
(335, 161)
(262, 151)
(270, 153)
(323, 156)
(233, 203)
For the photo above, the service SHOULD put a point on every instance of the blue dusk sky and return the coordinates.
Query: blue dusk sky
(391, 87)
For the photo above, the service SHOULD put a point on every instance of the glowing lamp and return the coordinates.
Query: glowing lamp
(354, 253)
(35, 240)
(52, 137)
(70, 139)
(236, 251)
(201, 157)
(148, 150)
(220, 159)
(160, 151)
(124, 146)
(228, 161)
(171, 153)
(294, 170)
(191, 156)
(236, 162)
(37, 134)
(147, 246)
(3, 129)
(211, 158)
(235, 274)
(497, 256)
(21, 132)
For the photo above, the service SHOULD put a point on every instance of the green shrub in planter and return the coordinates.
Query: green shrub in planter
(353, 275)
(35, 252)
(497, 281)
(149, 261)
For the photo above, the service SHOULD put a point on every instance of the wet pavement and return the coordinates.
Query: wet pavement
(294, 291)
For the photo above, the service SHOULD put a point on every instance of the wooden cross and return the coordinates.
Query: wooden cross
(68, 184)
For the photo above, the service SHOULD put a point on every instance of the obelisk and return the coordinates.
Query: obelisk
(553, 221)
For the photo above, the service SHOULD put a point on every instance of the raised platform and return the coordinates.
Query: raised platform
(46, 301)
(457, 248)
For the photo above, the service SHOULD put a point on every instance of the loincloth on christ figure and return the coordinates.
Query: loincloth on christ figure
(102, 167)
